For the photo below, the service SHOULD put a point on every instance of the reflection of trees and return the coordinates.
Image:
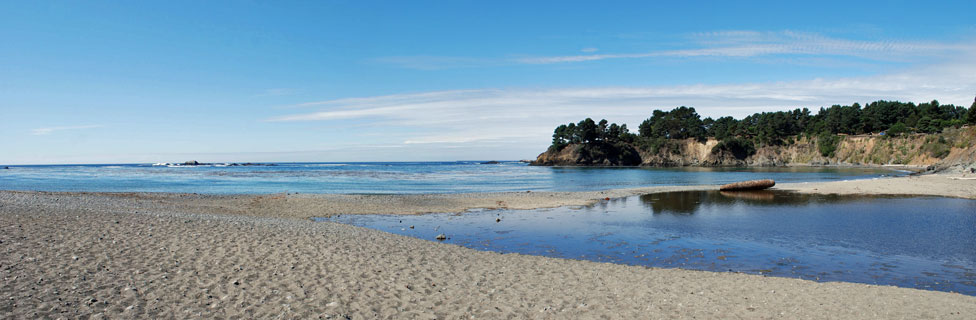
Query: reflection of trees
(688, 202)
(680, 203)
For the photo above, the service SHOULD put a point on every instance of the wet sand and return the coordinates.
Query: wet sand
(956, 185)
(182, 255)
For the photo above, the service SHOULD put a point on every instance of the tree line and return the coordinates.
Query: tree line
(891, 118)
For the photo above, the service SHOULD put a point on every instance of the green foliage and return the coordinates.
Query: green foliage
(588, 131)
(722, 128)
(936, 147)
(827, 144)
(971, 115)
(739, 147)
(897, 130)
(658, 145)
(741, 137)
(604, 153)
(652, 145)
(679, 123)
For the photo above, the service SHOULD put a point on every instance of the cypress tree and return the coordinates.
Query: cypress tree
(971, 115)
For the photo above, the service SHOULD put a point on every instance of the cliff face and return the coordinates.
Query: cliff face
(952, 147)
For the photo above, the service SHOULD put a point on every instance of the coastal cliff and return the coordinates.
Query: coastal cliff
(951, 147)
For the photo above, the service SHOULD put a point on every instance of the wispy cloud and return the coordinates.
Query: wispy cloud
(740, 44)
(718, 44)
(50, 130)
(727, 44)
(524, 118)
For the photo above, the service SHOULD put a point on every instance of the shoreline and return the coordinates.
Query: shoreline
(184, 255)
(85, 255)
(307, 206)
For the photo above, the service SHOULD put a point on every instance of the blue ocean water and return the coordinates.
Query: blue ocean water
(389, 177)
(915, 242)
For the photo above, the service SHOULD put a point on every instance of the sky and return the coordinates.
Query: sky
(340, 81)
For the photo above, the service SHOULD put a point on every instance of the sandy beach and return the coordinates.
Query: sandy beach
(74, 255)
(957, 185)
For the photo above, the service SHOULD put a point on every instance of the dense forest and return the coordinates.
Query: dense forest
(742, 137)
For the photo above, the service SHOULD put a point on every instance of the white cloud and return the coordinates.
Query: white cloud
(50, 130)
(752, 43)
(721, 44)
(524, 118)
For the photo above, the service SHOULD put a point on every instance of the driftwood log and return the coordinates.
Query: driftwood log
(749, 185)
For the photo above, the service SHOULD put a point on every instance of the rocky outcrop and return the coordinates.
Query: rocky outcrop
(590, 155)
(954, 147)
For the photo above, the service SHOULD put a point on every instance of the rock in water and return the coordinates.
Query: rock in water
(749, 185)
(441, 237)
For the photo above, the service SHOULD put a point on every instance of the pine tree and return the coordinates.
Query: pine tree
(971, 115)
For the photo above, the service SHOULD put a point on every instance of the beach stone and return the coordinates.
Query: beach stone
(441, 237)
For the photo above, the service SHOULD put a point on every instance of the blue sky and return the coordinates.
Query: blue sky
(117, 82)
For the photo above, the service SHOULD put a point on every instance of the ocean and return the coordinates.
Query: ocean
(391, 177)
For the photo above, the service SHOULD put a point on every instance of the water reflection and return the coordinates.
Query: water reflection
(919, 242)
(689, 202)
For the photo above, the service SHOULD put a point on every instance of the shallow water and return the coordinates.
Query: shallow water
(917, 242)
(398, 177)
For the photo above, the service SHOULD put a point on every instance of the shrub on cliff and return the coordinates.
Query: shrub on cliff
(936, 147)
(738, 147)
(827, 144)
(603, 153)
(971, 115)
